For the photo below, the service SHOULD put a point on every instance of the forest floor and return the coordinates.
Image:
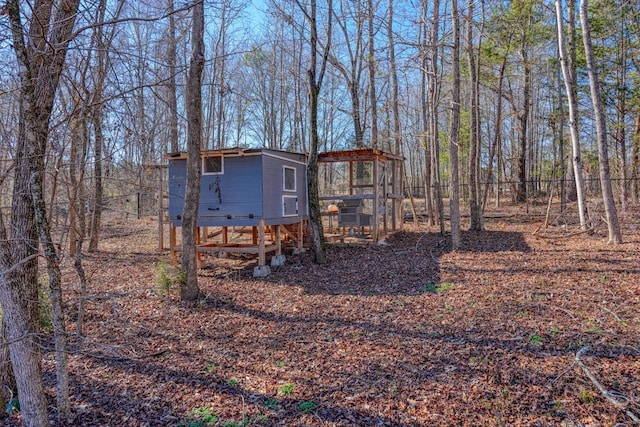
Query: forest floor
(406, 334)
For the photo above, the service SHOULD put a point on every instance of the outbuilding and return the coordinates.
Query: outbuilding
(259, 188)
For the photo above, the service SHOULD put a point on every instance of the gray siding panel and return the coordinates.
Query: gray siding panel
(177, 178)
(274, 185)
(237, 192)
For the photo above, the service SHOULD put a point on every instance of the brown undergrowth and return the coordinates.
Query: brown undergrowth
(407, 334)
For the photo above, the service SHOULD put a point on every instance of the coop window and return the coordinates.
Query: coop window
(289, 206)
(289, 179)
(212, 165)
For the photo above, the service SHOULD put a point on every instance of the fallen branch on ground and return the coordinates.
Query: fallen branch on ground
(613, 399)
(562, 236)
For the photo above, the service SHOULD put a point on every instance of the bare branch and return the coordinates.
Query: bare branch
(136, 19)
(613, 399)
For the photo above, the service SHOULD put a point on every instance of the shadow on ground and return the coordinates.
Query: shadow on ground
(407, 263)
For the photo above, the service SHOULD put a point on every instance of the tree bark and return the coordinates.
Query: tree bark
(372, 77)
(395, 96)
(41, 62)
(103, 44)
(615, 236)
(571, 72)
(353, 73)
(497, 136)
(425, 111)
(454, 130)
(575, 138)
(524, 123)
(315, 82)
(189, 290)
(172, 102)
(77, 206)
(19, 291)
(98, 144)
(433, 73)
(635, 158)
(474, 128)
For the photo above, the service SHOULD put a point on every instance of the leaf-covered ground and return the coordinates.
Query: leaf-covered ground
(408, 334)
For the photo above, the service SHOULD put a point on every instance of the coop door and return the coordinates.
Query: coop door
(289, 205)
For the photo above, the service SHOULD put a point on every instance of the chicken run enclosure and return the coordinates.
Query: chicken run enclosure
(361, 193)
(252, 201)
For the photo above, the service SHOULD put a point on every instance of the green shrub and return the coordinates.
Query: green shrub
(168, 277)
(286, 389)
(199, 417)
(535, 339)
(307, 406)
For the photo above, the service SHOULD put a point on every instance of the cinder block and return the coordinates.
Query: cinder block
(278, 260)
(261, 271)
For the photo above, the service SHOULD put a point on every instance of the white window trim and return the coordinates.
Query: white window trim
(284, 179)
(204, 159)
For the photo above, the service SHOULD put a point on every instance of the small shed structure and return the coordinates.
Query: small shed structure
(259, 188)
(362, 190)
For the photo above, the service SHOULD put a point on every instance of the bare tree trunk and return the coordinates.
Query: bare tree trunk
(615, 237)
(103, 45)
(497, 136)
(372, 78)
(190, 291)
(172, 102)
(474, 128)
(560, 142)
(77, 232)
(40, 70)
(575, 139)
(434, 131)
(96, 206)
(571, 72)
(395, 103)
(7, 377)
(425, 113)
(19, 291)
(620, 135)
(635, 158)
(315, 82)
(454, 130)
(524, 122)
(221, 60)
(352, 74)
(55, 279)
(75, 123)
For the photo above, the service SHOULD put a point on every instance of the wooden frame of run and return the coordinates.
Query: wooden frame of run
(384, 191)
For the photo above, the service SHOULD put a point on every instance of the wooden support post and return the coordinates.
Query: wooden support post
(376, 200)
(160, 212)
(254, 232)
(398, 225)
(172, 243)
(350, 177)
(278, 239)
(383, 196)
(300, 234)
(198, 253)
(261, 244)
(225, 235)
